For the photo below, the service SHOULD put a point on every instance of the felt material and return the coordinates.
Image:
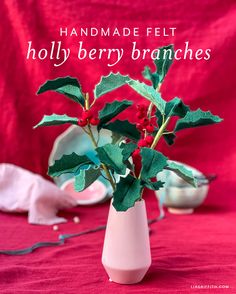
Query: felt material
(187, 250)
(23, 191)
(207, 84)
(195, 249)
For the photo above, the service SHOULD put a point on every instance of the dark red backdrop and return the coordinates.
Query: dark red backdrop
(206, 84)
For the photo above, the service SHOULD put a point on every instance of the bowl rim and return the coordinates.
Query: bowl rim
(85, 202)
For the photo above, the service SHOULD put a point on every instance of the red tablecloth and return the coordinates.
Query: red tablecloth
(187, 250)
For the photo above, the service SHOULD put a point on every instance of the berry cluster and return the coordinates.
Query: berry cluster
(88, 117)
(146, 127)
(144, 124)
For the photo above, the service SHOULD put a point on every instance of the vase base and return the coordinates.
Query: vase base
(125, 276)
(180, 210)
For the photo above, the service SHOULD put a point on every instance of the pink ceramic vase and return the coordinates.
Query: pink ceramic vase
(126, 253)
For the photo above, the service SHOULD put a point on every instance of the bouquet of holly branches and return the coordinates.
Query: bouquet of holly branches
(132, 152)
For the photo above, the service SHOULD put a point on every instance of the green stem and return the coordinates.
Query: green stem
(149, 112)
(90, 133)
(157, 138)
(167, 133)
(160, 133)
(86, 98)
(141, 194)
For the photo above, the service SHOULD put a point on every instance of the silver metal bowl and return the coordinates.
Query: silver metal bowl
(179, 196)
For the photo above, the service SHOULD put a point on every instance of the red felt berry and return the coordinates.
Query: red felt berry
(142, 143)
(82, 123)
(139, 126)
(94, 121)
(144, 122)
(149, 139)
(137, 162)
(140, 115)
(142, 107)
(150, 128)
(136, 152)
(153, 110)
(87, 114)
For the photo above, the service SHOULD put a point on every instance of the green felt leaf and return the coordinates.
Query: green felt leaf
(176, 107)
(68, 164)
(68, 86)
(183, 172)
(85, 178)
(152, 163)
(163, 61)
(112, 109)
(153, 185)
(127, 149)
(169, 138)
(112, 156)
(159, 118)
(149, 93)
(127, 192)
(123, 128)
(116, 138)
(153, 77)
(56, 119)
(129, 165)
(195, 119)
(110, 83)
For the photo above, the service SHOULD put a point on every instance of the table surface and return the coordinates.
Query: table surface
(187, 251)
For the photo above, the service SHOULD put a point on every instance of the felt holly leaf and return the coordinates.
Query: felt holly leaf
(112, 156)
(149, 93)
(176, 107)
(111, 110)
(129, 165)
(116, 138)
(152, 163)
(86, 177)
(127, 149)
(127, 192)
(110, 83)
(159, 117)
(153, 77)
(183, 172)
(123, 128)
(169, 138)
(195, 119)
(56, 119)
(68, 86)
(68, 164)
(163, 60)
(153, 185)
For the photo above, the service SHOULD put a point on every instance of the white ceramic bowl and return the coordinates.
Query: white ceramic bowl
(95, 193)
(75, 140)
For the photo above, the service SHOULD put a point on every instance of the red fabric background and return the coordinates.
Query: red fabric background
(186, 250)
